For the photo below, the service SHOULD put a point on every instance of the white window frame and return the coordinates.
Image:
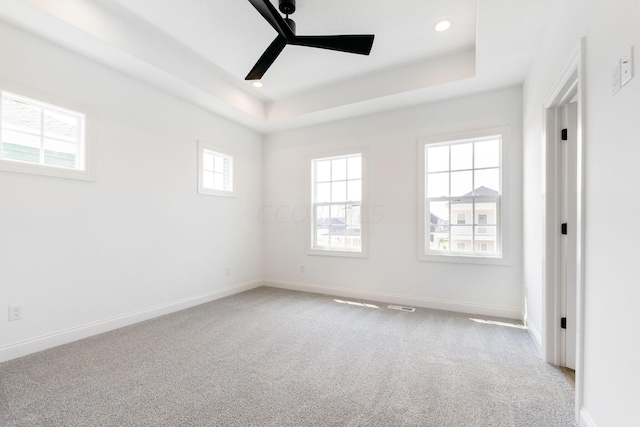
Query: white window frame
(82, 170)
(499, 257)
(362, 253)
(220, 152)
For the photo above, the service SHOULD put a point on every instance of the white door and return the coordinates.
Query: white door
(568, 244)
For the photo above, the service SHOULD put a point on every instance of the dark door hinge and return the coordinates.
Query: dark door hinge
(563, 323)
(564, 135)
(563, 228)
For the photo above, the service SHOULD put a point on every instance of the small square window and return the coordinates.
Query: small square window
(215, 172)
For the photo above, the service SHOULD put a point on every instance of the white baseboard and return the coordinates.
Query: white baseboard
(416, 301)
(55, 339)
(585, 419)
(535, 336)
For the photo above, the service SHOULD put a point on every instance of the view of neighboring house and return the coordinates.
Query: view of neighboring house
(470, 229)
(339, 227)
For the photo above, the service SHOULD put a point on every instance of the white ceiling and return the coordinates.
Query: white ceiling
(233, 35)
(201, 50)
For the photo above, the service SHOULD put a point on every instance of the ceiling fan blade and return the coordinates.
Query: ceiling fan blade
(360, 44)
(273, 17)
(267, 58)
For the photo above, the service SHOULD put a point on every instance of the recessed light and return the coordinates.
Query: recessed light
(257, 83)
(443, 25)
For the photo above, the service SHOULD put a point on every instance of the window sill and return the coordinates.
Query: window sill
(44, 170)
(336, 253)
(465, 259)
(219, 193)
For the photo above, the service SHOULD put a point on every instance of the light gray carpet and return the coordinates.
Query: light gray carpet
(271, 357)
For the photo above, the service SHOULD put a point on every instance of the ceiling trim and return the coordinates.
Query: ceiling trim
(111, 34)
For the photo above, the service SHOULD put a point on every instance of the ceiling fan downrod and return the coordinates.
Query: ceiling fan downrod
(288, 7)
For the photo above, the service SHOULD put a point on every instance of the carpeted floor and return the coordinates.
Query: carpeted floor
(270, 357)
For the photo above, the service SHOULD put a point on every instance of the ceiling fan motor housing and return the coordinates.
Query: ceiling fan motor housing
(291, 23)
(287, 6)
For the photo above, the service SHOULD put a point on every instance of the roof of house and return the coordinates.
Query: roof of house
(482, 191)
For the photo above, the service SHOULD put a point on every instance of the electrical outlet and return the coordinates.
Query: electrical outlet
(626, 68)
(615, 79)
(15, 312)
(227, 272)
(302, 269)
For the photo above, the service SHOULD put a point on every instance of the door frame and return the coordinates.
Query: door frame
(570, 83)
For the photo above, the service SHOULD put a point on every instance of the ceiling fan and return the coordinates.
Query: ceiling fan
(286, 28)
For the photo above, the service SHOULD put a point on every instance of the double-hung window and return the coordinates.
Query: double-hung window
(41, 138)
(337, 226)
(462, 195)
(215, 172)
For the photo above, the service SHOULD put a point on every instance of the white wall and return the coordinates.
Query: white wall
(391, 272)
(139, 237)
(612, 150)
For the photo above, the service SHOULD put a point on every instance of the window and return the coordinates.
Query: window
(482, 220)
(41, 138)
(337, 205)
(462, 198)
(215, 173)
